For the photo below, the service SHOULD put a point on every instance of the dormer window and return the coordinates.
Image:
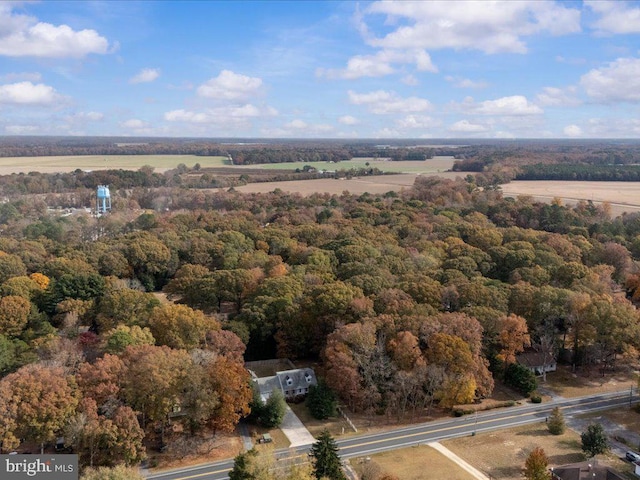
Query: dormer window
(307, 377)
(289, 380)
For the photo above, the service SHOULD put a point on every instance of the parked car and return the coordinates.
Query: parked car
(265, 438)
(632, 456)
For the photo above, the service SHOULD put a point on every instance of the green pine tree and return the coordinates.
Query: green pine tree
(594, 440)
(326, 461)
(321, 401)
(242, 466)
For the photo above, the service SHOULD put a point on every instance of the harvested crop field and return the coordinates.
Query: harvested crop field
(622, 196)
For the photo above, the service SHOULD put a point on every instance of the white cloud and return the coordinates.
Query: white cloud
(145, 75)
(85, 116)
(572, 131)
(23, 35)
(460, 82)
(492, 27)
(464, 126)
(297, 124)
(220, 115)
(619, 81)
(22, 76)
(380, 64)
(516, 105)
(230, 86)
(348, 120)
(27, 93)
(21, 129)
(615, 17)
(410, 80)
(558, 97)
(383, 102)
(613, 127)
(134, 123)
(299, 129)
(417, 121)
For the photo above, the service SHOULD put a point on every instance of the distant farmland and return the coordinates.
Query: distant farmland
(162, 163)
(70, 163)
(623, 196)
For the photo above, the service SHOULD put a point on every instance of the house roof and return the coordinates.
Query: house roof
(531, 358)
(266, 385)
(295, 379)
(585, 470)
(298, 378)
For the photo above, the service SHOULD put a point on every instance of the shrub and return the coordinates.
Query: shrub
(520, 378)
(555, 422)
(536, 399)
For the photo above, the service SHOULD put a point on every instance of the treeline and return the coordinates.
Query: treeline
(586, 172)
(40, 183)
(408, 301)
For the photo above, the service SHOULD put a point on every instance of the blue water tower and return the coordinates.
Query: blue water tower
(103, 200)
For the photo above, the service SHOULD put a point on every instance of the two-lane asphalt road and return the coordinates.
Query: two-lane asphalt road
(426, 432)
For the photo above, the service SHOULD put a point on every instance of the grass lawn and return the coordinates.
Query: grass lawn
(502, 454)
(569, 384)
(335, 425)
(415, 463)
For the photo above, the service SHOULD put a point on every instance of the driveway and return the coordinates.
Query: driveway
(295, 430)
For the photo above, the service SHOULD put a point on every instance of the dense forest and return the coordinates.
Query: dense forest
(408, 301)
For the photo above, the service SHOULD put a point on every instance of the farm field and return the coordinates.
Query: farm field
(623, 196)
(433, 165)
(69, 163)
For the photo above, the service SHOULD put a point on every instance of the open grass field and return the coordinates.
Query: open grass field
(566, 383)
(70, 163)
(415, 463)
(501, 455)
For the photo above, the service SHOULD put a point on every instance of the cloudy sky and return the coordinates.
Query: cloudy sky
(331, 69)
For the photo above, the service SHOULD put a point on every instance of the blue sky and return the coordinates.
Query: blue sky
(303, 69)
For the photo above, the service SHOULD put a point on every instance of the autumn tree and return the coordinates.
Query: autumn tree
(165, 372)
(226, 343)
(180, 326)
(513, 338)
(119, 472)
(11, 266)
(536, 465)
(118, 339)
(14, 314)
(229, 381)
(109, 439)
(37, 401)
(101, 380)
(195, 286)
(121, 305)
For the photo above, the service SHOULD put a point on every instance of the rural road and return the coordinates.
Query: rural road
(426, 432)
